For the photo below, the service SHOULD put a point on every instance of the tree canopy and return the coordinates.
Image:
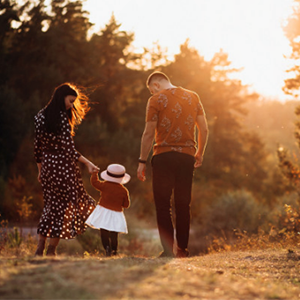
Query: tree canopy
(41, 48)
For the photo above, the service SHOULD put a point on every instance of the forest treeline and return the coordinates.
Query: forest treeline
(41, 48)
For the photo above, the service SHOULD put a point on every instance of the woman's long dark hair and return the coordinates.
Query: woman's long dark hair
(57, 104)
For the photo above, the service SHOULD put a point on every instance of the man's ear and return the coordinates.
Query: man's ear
(157, 85)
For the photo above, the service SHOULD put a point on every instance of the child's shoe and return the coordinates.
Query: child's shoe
(107, 251)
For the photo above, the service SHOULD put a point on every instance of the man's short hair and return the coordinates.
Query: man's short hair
(157, 75)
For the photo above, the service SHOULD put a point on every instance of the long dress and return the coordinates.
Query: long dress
(66, 202)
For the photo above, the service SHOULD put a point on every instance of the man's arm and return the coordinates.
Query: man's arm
(146, 145)
(202, 139)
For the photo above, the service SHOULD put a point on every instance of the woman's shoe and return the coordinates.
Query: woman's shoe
(40, 248)
(51, 250)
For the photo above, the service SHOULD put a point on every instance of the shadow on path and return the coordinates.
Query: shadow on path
(67, 278)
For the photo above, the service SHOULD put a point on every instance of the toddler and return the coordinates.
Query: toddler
(108, 215)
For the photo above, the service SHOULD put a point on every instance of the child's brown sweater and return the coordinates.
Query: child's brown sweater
(114, 196)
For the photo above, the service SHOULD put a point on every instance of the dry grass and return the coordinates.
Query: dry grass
(259, 274)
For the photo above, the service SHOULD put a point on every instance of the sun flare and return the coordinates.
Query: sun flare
(249, 31)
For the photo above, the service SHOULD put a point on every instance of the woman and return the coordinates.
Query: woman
(66, 203)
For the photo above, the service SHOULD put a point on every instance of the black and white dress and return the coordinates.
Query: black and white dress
(66, 202)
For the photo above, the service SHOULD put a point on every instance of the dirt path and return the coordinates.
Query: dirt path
(269, 274)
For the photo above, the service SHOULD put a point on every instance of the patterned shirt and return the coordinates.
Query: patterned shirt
(176, 111)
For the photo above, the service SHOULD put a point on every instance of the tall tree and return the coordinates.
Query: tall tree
(49, 48)
(9, 14)
(44, 51)
(12, 116)
(110, 56)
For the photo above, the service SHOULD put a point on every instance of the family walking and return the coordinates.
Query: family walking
(172, 115)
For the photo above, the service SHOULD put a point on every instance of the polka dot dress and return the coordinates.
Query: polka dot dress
(66, 203)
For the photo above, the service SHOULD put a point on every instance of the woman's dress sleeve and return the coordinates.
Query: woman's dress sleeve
(37, 140)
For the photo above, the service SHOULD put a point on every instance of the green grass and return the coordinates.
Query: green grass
(259, 274)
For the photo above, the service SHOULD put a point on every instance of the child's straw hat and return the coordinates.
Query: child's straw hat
(115, 173)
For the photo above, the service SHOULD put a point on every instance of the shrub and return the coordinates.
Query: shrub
(232, 211)
(222, 222)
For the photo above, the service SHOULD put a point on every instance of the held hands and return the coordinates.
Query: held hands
(92, 168)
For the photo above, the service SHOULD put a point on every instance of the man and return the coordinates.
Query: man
(171, 116)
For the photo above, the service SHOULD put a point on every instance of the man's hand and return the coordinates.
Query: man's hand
(202, 139)
(199, 160)
(141, 172)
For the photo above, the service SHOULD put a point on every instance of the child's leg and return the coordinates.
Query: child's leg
(105, 239)
(114, 241)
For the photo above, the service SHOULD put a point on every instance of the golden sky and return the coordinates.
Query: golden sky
(250, 31)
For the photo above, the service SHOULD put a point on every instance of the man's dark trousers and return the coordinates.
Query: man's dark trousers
(173, 172)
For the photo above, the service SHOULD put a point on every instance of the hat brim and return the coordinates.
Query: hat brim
(122, 180)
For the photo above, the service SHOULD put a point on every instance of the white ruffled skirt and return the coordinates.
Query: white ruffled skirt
(107, 219)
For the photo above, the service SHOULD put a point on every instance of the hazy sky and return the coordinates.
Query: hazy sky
(250, 31)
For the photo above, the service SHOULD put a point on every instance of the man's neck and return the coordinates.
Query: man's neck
(168, 86)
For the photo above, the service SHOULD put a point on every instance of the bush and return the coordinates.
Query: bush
(285, 219)
(237, 210)
(234, 210)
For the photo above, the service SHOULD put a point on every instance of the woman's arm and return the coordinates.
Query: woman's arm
(68, 145)
(91, 167)
(37, 147)
(37, 141)
(39, 165)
